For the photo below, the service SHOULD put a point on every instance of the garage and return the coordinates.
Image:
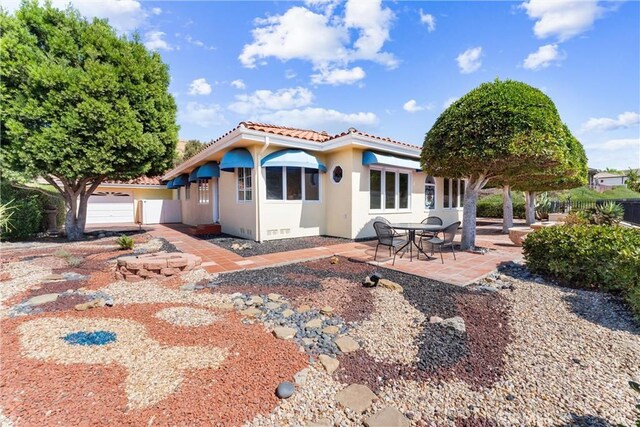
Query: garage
(107, 207)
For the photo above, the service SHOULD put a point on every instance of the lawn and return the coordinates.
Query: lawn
(201, 349)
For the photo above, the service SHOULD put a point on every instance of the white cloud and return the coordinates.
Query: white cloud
(469, 60)
(199, 87)
(447, 103)
(617, 144)
(624, 120)
(323, 39)
(123, 15)
(263, 100)
(156, 11)
(429, 20)
(338, 76)
(196, 42)
(290, 74)
(563, 19)
(319, 118)
(238, 84)
(412, 106)
(154, 40)
(543, 57)
(203, 115)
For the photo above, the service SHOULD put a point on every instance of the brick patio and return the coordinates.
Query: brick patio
(468, 267)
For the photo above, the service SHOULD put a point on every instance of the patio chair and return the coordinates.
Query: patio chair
(449, 233)
(395, 232)
(432, 220)
(386, 237)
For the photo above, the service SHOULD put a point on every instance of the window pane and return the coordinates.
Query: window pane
(294, 183)
(454, 194)
(375, 189)
(390, 190)
(403, 180)
(445, 200)
(462, 184)
(311, 184)
(274, 183)
(247, 179)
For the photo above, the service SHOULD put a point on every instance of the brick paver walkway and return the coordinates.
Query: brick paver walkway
(467, 268)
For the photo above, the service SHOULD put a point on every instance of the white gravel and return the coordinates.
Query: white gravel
(24, 275)
(187, 316)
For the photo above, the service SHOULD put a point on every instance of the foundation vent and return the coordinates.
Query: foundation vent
(285, 231)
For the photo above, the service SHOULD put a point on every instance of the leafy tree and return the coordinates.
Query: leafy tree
(633, 180)
(80, 104)
(191, 148)
(492, 131)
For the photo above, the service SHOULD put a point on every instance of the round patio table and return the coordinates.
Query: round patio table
(411, 228)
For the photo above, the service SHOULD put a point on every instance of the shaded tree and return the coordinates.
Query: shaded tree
(191, 148)
(487, 134)
(80, 104)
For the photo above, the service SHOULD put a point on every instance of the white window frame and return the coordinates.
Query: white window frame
(204, 192)
(284, 187)
(383, 195)
(246, 189)
(459, 197)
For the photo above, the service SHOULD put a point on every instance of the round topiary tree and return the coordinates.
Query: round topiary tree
(491, 131)
(80, 104)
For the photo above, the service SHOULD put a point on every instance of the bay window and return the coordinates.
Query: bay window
(292, 184)
(389, 190)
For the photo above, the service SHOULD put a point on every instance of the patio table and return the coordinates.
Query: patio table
(411, 228)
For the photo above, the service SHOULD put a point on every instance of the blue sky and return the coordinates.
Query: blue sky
(391, 68)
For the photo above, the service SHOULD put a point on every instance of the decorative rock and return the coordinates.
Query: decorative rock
(287, 313)
(456, 323)
(154, 265)
(356, 397)
(285, 390)
(188, 287)
(385, 283)
(322, 422)
(284, 333)
(42, 299)
(368, 283)
(308, 341)
(331, 330)
(326, 310)
(274, 297)
(329, 363)
(133, 278)
(272, 305)
(334, 260)
(313, 323)
(388, 417)
(435, 319)
(347, 344)
(53, 277)
(91, 304)
(301, 377)
(303, 308)
(251, 312)
(255, 300)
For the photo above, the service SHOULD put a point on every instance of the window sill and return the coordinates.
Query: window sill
(380, 211)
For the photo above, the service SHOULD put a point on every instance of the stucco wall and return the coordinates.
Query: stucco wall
(194, 213)
(338, 195)
(237, 218)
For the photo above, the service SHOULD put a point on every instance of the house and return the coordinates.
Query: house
(265, 182)
(602, 181)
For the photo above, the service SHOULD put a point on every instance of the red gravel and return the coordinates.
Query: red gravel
(65, 302)
(93, 394)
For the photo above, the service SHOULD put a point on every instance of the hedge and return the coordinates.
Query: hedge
(494, 210)
(29, 216)
(589, 256)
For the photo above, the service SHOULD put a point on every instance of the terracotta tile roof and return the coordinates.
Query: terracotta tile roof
(141, 180)
(368, 135)
(310, 135)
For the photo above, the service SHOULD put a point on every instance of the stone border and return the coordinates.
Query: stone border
(158, 265)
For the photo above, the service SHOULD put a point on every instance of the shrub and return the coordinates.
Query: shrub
(74, 261)
(576, 218)
(125, 242)
(492, 209)
(6, 212)
(589, 256)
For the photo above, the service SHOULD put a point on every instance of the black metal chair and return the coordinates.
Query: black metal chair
(386, 237)
(432, 220)
(396, 233)
(449, 233)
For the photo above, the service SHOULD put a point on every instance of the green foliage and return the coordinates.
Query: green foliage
(589, 256)
(494, 129)
(6, 212)
(61, 253)
(587, 194)
(191, 148)
(125, 242)
(577, 218)
(27, 211)
(543, 204)
(633, 180)
(493, 209)
(74, 261)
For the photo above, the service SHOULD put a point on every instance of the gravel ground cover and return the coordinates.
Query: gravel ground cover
(248, 248)
(203, 349)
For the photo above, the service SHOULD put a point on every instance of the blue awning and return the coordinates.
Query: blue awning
(292, 157)
(373, 158)
(208, 170)
(236, 158)
(181, 181)
(193, 177)
(170, 185)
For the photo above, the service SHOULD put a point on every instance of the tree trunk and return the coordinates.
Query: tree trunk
(507, 209)
(71, 226)
(76, 196)
(474, 185)
(530, 207)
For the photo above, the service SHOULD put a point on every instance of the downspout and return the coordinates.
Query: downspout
(267, 141)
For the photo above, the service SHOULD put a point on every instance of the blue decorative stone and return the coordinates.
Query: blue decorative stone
(285, 390)
(90, 338)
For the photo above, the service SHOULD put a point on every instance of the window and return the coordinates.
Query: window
(187, 191)
(292, 183)
(337, 174)
(203, 191)
(429, 193)
(453, 193)
(389, 190)
(244, 185)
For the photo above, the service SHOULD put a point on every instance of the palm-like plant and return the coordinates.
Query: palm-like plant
(6, 212)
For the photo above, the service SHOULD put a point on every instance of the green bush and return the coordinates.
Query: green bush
(125, 242)
(589, 256)
(491, 209)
